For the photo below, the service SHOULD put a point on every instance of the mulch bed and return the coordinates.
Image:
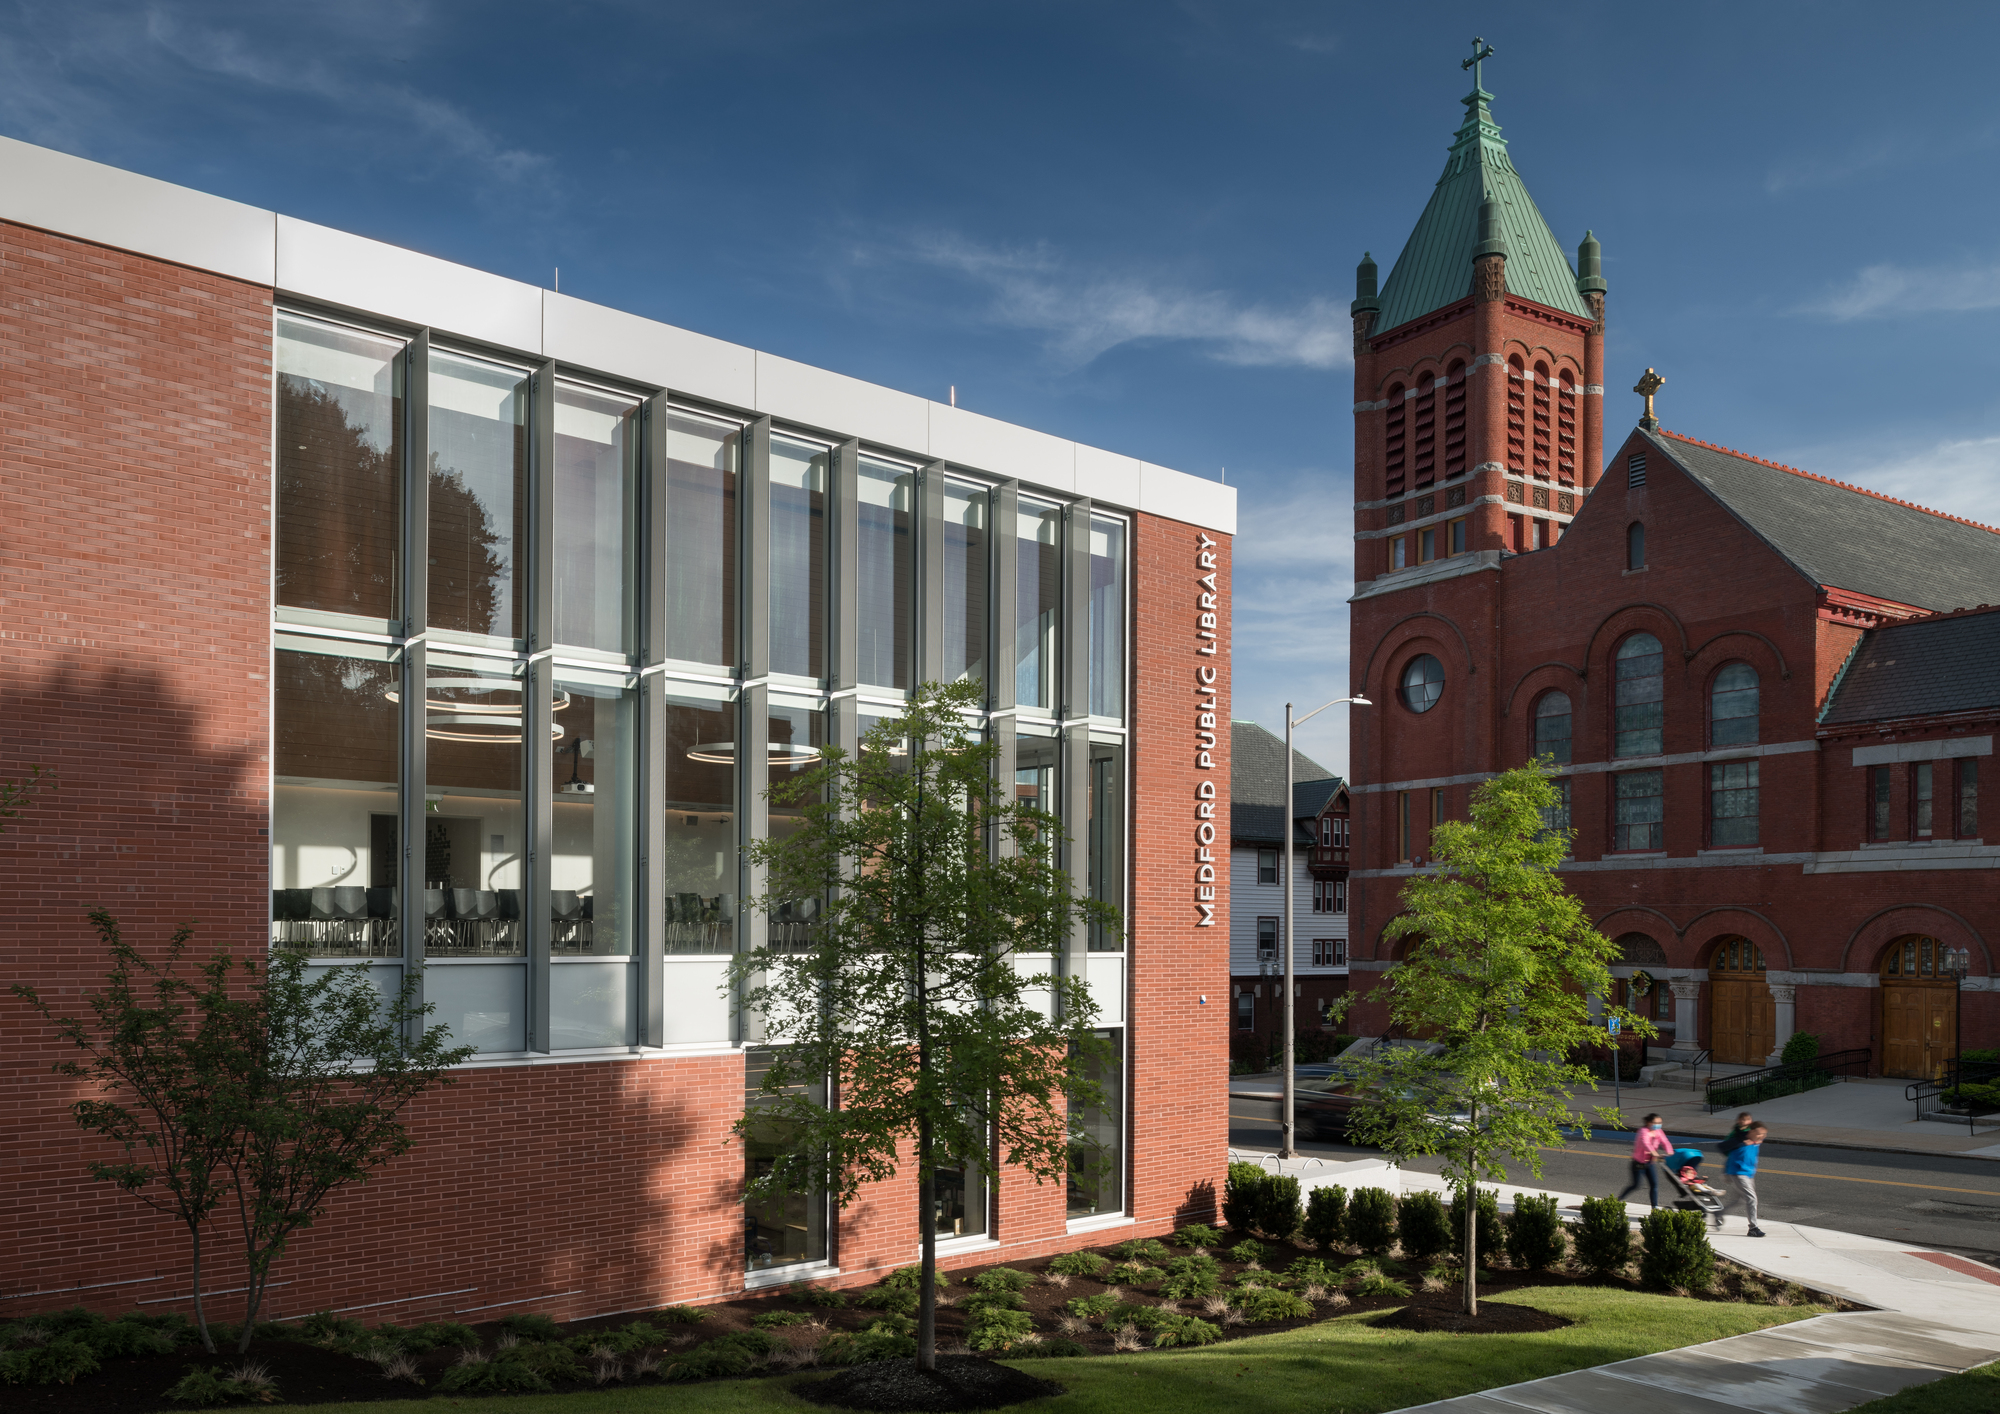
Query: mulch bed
(960, 1382)
(309, 1374)
(1493, 1319)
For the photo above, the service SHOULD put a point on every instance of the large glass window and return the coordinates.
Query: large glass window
(475, 840)
(798, 558)
(789, 1228)
(797, 732)
(1552, 727)
(1732, 715)
(959, 1202)
(340, 469)
(1035, 770)
(478, 496)
(1038, 603)
(1097, 1148)
(884, 583)
(1968, 798)
(1640, 712)
(965, 580)
(700, 552)
(1641, 811)
(594, 854)
(334, 803)
(597, 437)
(700, 818)
(1107, 617)
(1732, 803)
(1423, 683)
(1922, 777)
(1107, 838)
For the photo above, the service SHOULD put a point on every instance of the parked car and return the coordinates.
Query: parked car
(1325, 1106)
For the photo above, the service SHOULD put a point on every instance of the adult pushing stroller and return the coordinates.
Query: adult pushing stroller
(1683, 1168)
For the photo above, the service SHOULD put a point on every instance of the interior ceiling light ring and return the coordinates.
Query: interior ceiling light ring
(783, 753)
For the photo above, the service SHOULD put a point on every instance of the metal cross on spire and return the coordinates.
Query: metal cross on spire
(1481, 51)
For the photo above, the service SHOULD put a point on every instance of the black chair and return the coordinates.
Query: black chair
(475, 904)
(565, 905)
(381, 903)
(510, 903)
(350, 901)
(434, 903)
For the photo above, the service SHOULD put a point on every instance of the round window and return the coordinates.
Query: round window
(1423, 683)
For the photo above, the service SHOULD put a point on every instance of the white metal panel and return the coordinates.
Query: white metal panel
(593, 1004)
(374, 277)
(1002, 449)
(1107, 477)
(1193, 499)
(1036, 965)
(610, 341)
(90, 201)
(833, 402)
(1105, 973)
(696, 1008)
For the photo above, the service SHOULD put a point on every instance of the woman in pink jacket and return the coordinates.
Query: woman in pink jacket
(1648, 1148)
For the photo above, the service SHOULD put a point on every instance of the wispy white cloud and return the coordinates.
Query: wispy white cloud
(1083, 312)
(1835, 169)
(1955, 476)
(1881, 291)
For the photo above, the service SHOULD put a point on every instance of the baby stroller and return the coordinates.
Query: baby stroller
(1683, 1168)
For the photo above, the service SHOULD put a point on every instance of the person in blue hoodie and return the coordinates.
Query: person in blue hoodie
(1741, 1170)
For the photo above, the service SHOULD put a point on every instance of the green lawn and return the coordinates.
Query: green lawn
(1341, 1366)
(1977, 1391)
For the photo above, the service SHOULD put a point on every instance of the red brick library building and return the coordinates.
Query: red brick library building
(1772, 697)
(373, 606)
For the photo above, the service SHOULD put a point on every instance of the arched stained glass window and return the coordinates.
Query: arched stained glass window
(1732, 706)
(1639, 715)
(1552, 727)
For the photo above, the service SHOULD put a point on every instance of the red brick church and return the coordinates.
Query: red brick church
(1771, 696)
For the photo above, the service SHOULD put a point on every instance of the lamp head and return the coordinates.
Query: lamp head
(1361, 702)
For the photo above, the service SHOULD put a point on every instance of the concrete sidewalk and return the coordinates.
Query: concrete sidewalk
(1934, 1314)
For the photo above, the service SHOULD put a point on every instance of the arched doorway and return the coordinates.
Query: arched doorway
(1742, 1028)
(1919, 1018)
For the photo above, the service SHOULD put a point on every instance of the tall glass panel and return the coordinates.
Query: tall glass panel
(1096, 1140)
(478, 495)
(790, 1228)
(701, 539)
(333, 808)
(959, 1207)
(700, 809)
(797, 733)
(883, 574)
(1107, 839)
(1107, 618)
(1035, 758)
(474, 829)
(597, 438)
(340, 469)
(592, 859)
(798, 558)
(1639, 716)
(966, 573)
(1037, 603)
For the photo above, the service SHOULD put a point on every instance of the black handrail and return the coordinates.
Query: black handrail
(1955, 1073)
(1824, 1064)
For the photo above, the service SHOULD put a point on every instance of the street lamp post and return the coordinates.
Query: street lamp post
(1956, 963)
(1287, 1145)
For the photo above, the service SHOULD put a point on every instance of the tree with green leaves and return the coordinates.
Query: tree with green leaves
(264, 1087)
(924, 1002)
(1499, 970)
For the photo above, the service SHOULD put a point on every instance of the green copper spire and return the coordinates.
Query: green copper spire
(1491, 242)
(1365, 296)
(1435, 268)
(1590, 266)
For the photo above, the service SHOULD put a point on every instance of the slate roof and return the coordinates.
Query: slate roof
(1257, 785)
(1845, 538)
(1930, 667)
(1435, 268)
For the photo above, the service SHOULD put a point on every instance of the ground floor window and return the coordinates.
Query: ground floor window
(1246, 1012)
(1732, 803)
(789, 1228)
(958, 1205)
(1637, 822)
(1096, 1146)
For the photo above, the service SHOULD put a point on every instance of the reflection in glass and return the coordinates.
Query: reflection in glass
(790, 1228)
(700, 824)
(958, 1208)
(884, 588)
(1035, 772)
(333, 808)
(1097, 1160)
(798, 558)
(1107, 618)
(701, 540)
(1038, 603)
(340, 458)
(474, 840)
(965, 577)
(478, 489)
(1107, 839)
(591, 860)
(596, 443)
(796, 736)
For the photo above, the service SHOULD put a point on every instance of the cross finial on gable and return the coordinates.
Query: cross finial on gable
(1649, 383)
(1481, 51)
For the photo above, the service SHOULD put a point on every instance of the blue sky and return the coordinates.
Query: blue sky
(1136, 224)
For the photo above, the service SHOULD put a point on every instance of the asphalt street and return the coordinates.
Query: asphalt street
(1950, 1204)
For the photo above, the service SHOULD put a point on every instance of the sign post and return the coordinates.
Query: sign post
(1617, 1091)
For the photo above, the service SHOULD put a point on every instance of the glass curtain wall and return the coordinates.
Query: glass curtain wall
(885, 573)
(700, 553)
(700, 806)
(593, 899)
(798, 558)
(478, 479)
(966, 570)
(788, 1229)
(1097, 1140)
(1038, 604)
(596, 519)
(1107, 618)
(1107, 838)
(797, 732)
(340, 469)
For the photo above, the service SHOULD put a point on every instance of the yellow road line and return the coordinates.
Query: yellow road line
(1797, 1173)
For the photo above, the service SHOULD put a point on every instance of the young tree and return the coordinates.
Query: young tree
(912, 997)
(1499, 970)
(261, 1085)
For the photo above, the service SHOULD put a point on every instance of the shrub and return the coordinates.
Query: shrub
(766, 1320)
(1486, 1222)
(1801, 1050)
(1142, 1249)
(1004, 1279)
(1311, 1270)
(1266, 1303)
(638, 1336)
(1092, 1308)
(1196, 1235)
(993, 1301)
(1058, 1348)
(912, 1277)
(531, 1325)
(1983, 1057)
(1421, 1226)
(1326, 1217)
(997, 1329)
(1278, 1214)
(491, 1377)
(1185, 1330)
(682, 1315)
(1375, 1284)
(433, 1335)
(1080, 1264)
(111, 1340)
(812, 1294)
(894, 1325)
(860, 1347)
(1371, 1219)
(205, 1387)
(58, 1362)
(1186, 1286)
(732, 1354)
(1239, 1196)
(1535, 1233)
(1604, 1236)
(1135, 1274)
(1676, 1249)
(325, 1326)
(891, 1298)
(1248, 1251)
